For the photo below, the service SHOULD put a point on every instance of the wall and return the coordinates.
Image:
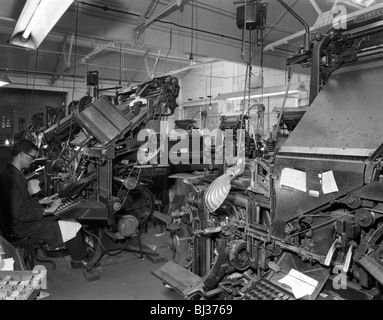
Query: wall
(221, 77)
(26, 103)
(200, 88)
(5, 156)
(60, 94)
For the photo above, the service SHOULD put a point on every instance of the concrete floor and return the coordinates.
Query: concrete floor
(123, 277)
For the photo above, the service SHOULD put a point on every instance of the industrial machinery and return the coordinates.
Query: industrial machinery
(90, 158)
(307, 222)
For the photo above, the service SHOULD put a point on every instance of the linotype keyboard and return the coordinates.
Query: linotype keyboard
(264, 289)
(67, 204)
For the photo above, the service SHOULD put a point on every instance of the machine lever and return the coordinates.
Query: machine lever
(330, 252)
(273, 266)
(347, 261)
(208, 231)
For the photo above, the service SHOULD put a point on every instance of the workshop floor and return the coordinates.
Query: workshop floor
(123, 277)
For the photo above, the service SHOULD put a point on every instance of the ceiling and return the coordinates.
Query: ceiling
(103, 36)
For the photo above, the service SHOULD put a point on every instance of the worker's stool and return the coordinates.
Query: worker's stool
(153, 219)
(31, 254)
(158, 206)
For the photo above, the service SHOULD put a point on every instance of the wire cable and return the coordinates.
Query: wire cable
(324, 223)
(32, 94)
(192, 37)
(74, 75)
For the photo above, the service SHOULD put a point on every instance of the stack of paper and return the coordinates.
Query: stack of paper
(7, 264)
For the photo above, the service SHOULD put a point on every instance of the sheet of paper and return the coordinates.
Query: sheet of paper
(300, 284)
(328, 182)
(7, 264)
(69, 229)
(293, 178)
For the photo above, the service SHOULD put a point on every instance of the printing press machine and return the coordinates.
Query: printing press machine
(90, 158)
(304, 221)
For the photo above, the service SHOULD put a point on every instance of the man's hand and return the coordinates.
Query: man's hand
(48, 200)
(55, 204)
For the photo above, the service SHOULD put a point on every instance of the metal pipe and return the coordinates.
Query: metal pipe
(290, 77)
(306, 46)
(141, 28)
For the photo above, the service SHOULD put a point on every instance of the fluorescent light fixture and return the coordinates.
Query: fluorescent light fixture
(36, 21)
(271, 94)
(4, 80)
(274, 91)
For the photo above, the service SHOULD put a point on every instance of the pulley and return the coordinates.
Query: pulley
(353, 202)
(239, 258)
(365, 218)
(128, 183)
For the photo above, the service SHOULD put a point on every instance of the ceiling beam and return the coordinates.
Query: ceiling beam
(346, 18)
(151, 72)
(356, 6)
(163, 37)
(138, 31)
(138, 68)
(97, 49)
(81, 40)
(69, 54)
(316, 7)
(274, 24)
(149, 8)
(62, 56)
(171, 42)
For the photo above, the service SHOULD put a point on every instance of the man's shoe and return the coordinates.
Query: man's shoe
(85, 264)
(82, 264)
(48, 247)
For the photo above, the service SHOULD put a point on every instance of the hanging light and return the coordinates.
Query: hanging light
(36, 21)
(275, 91)
(4, 80)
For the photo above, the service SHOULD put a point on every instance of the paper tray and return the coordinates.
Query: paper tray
(289, 261)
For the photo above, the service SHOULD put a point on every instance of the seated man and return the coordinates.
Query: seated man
(28, 217)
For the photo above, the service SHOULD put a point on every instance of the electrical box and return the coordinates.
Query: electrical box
(255, 16)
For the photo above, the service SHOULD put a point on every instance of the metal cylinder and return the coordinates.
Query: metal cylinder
(127, 225)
